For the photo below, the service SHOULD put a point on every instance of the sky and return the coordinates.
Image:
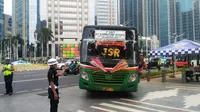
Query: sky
(8, 7)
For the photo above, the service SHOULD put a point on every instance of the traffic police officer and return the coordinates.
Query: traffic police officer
(53, 84)
(8, 76)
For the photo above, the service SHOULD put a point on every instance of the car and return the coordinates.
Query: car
(60, 65)
(153, 62)
(20, 62)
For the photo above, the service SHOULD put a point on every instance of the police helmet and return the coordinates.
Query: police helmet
(52, 61)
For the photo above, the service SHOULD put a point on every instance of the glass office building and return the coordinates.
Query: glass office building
(106, 12)
(25, 19)
(1, 19)
(179, 18)
(185, 19)
(141, 14)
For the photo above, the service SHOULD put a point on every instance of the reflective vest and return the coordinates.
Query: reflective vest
(159, 62)
(7, 72)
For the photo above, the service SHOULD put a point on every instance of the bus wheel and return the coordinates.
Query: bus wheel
(90, 91)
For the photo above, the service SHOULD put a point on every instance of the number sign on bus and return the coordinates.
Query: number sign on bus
(110, 34)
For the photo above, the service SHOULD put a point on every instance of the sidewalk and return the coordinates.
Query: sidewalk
(39, 102)
(176, 80)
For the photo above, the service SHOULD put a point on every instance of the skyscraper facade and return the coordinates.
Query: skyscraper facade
(141, 14)
(179, 19)
(196, 12)
(7, 24)
(66, 18)
(106, 12)
(1, 19)
(167, 21)
(25, 20)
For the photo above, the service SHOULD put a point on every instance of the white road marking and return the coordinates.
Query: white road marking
(193, 89)
(37, 89)
(61, 86)
(29, 80)
(192, 101)
(102, 109)
(1, 94)
(142, 107)
(160, 94)
(22, 91)
(80, 111)
(167, 107)
(196, 87)
(32, 75)
(121, 107)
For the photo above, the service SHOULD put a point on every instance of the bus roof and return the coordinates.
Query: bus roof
(117, 27)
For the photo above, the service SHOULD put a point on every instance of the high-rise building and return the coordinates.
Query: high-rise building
(1, 19)
(7, 24)
(66, 18)
(196, 11)
(141, 14)
(107, 12)
(179, 19)
(26, 18)
(185, 19)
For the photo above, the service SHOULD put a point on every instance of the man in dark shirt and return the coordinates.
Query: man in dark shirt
(53, 84)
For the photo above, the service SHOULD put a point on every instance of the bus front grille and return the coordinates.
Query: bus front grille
(107, 78)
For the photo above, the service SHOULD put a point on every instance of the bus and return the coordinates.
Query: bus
(114, 53)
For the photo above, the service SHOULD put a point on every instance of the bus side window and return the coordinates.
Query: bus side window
(91, 49)
(129, 50)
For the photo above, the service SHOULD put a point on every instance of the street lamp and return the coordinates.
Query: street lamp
(36, 41)
(176, 36)
(174, 57)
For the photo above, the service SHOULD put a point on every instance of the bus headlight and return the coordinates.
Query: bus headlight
(132, 77)
(84, 75)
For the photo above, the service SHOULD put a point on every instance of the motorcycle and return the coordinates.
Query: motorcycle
(72, 70)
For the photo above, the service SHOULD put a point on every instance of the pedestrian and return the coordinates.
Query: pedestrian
(141, 65)
(159, 64)
(8, 76)
(53, 84)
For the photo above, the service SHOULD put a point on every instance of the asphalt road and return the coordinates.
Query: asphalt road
(151, 97)
(35, 81)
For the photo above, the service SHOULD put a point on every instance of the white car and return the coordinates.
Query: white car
(60, 65)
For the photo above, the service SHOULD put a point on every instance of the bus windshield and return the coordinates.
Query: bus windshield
(109, 45)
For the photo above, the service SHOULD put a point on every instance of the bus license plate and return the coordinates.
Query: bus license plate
(107, 89)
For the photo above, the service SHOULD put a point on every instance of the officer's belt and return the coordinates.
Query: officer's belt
(56, 87)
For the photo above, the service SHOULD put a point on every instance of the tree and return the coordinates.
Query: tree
(30, 50)
(7, 45)
(44, 36)
(17, 40)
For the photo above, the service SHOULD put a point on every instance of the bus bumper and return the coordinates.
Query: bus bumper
(125, 87)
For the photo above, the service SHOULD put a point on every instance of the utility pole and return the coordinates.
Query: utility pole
(173, 56)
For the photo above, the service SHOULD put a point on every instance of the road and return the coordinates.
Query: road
(151, 97)
(35, 81)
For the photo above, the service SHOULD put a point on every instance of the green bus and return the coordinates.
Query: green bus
(111, 45)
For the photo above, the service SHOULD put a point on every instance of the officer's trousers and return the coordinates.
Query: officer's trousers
(53, 103)
(8, 83)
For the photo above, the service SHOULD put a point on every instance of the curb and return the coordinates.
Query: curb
(30, 69)
(159, 76)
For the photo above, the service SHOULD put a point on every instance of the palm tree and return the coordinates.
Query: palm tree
(17, 40)
(31, 48)
(7, 44)
(44, 36)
